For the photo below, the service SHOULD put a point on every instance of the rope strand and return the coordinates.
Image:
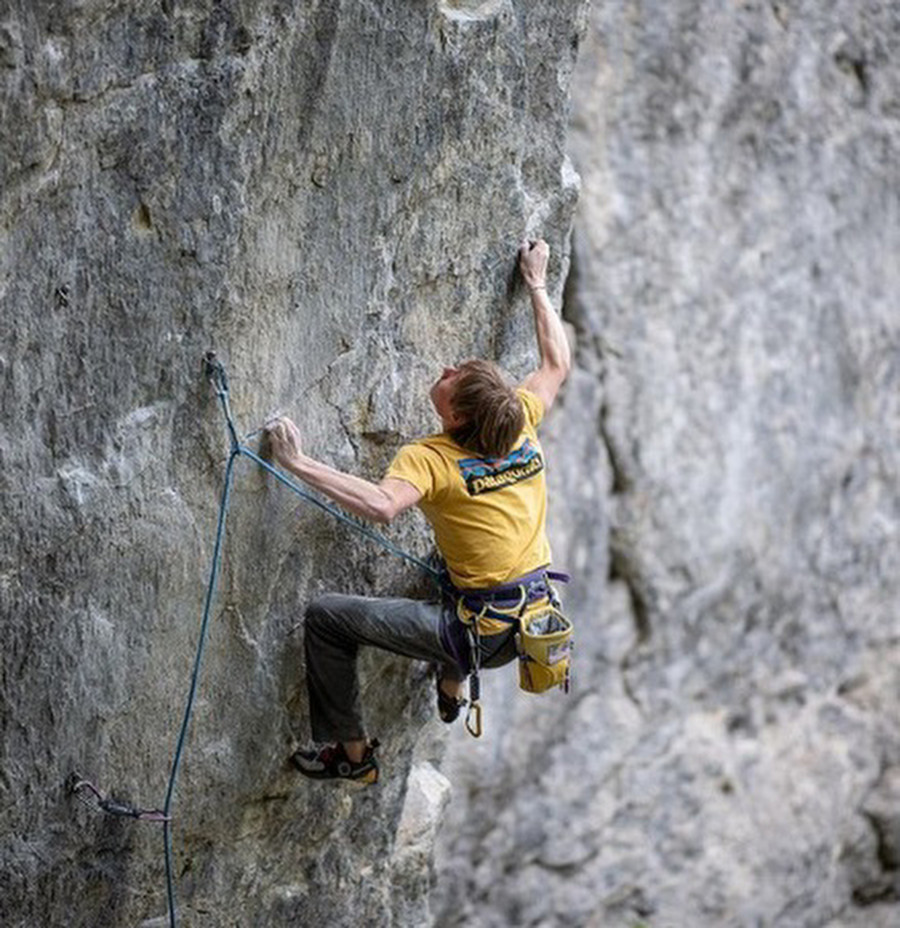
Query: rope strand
(216, 375)
(195, 675)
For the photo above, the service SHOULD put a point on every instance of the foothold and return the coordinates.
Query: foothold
(242, 41)
(470, 10)
(853, 63)
(11, 46)
(141, 219)
(781, 14)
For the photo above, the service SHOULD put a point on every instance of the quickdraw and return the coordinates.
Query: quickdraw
(78, 787)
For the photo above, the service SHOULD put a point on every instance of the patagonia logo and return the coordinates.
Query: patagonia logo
(482, 475)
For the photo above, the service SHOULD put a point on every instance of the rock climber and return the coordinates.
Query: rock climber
(480, 484)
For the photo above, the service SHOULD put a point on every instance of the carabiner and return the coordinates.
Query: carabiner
(473, 727)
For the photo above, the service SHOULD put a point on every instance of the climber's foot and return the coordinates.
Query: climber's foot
(449, 703)
(332, 763)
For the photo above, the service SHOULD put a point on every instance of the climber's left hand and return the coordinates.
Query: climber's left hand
(284, 440)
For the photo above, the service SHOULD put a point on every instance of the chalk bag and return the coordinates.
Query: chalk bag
(544, 643)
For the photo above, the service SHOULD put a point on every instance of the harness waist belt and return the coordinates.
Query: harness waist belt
(536, 585)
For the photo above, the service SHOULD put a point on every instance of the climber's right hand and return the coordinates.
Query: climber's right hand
(533, 256)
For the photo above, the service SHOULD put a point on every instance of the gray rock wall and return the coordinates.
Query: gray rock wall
(730, 755)
(330, 195)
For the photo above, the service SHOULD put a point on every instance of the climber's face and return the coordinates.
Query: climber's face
(442, 396)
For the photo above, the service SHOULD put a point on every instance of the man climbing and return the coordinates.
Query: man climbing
(480, 484)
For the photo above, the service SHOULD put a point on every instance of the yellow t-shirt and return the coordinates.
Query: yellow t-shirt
(488, 514)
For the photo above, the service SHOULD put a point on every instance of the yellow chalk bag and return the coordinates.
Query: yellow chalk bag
(544, 642)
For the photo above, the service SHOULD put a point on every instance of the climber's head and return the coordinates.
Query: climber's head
(479, 408)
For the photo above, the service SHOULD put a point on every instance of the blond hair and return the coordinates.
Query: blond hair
(489, 409)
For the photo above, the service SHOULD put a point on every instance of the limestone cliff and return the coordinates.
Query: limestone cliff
(731, 754)
(329, 195)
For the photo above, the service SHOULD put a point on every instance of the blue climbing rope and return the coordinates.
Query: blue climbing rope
(192, 692)
(215, 372)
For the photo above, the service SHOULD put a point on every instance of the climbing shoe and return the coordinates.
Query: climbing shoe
(331, 763)
(448, 706)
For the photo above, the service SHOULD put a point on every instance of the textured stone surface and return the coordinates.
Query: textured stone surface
(730, 754)
(330, 195)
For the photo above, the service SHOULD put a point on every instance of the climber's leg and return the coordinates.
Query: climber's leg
(335, 627)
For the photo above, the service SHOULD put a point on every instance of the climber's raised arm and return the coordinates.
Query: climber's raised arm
(551, 336)
(379, 502)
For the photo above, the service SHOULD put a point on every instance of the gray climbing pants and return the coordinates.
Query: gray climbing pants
(337, 625)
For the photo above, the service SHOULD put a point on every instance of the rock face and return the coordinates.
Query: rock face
(330, 196)
(731, 754)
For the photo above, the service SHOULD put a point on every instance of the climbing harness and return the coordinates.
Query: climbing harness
(214, 371)
(543, 635)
